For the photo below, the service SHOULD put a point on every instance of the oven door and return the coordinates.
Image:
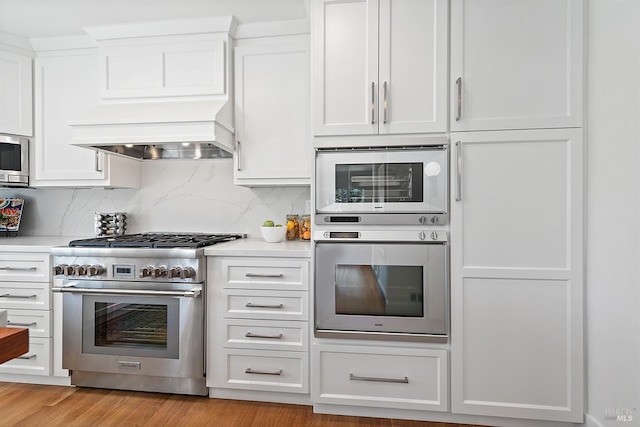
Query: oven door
(141, 332)
(388, 181)
(381, 290)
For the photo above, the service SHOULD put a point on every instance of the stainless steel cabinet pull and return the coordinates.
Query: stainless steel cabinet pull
(373, 102)
(237, 155)
(17, 296)
(194, 293)
(458, 171)
(27, 357)
(404, 380)
(264, 275)
(252, 371)
(98, 165)
(385, 102)
(27, 325)
(459, 99)
(252, 335)
(252, 305)
(19, 268)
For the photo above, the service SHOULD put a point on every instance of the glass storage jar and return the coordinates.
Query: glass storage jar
(305, 227)
(293, 227)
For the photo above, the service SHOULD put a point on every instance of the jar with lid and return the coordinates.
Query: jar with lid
(293, 227)
(305, 227)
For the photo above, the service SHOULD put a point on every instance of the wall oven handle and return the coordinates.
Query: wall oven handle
(253, 371)
(404, 380)
(252, 305)
(19, 268)
(263, 275)
(193, 293)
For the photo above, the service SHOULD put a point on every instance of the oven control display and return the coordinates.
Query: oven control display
(124, 271)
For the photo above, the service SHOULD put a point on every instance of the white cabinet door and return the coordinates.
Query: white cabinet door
(67, 88)
(16, 94)
(516, 64)
(517, 274)
(380, 66)
(272, 112)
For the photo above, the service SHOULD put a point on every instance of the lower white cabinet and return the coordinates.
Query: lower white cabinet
(37, 361)
(380, 377)
(258, 324)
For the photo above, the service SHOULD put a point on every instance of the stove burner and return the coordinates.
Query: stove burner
(155, 240)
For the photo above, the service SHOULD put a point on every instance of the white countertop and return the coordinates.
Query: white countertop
(34, 243)
(258, 247)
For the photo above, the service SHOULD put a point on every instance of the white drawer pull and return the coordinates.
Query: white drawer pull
(19, 268)
(404, 380)
(251, 371)
(27, 357)
(252, 335)
(263, 275)
(252, 305)
(27, 325)
(17, 296)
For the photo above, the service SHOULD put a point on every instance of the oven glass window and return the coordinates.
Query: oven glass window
(379, 290)
(131, 325)
(379, 183)
(10, 157)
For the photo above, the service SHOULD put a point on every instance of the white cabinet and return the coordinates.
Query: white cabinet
(16, 94)
(258, 324)
(272, 112)
(516, 64)
(517, 274)
(379, 377)
(379, 66)
(67, 88)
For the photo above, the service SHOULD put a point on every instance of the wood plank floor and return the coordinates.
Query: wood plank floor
(40, 405)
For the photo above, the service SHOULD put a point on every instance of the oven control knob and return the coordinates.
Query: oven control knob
(159, 272)
(174, 272)
(69, 270)
(79, 270)
(59, 269)
(94, 270)
(422, 235)
(187, 273)
(147, 271)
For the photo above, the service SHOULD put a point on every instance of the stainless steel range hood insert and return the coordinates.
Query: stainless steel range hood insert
(154, 130)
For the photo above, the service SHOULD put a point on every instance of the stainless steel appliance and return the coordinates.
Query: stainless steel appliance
(382, 185)
(133, 310)
(390, 284)
(14, 161)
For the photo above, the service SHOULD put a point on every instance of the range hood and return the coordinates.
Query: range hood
(158, 129)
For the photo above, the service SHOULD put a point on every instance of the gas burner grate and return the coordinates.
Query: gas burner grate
(156, 240)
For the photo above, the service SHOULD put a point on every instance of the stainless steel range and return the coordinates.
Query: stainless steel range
(134, 312)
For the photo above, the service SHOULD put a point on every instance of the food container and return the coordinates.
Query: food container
(305, 227)
(273, 234)
(293, 227)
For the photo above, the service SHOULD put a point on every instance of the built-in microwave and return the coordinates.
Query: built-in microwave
(381, 185)
(14, 161)
(382, 284)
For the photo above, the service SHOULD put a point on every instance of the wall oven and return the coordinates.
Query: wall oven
(390, 284)
(382, 185)
(14, 161)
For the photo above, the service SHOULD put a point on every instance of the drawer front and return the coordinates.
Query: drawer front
(392, 378)
(37, 361)
(37, 321)
(26, 295)
(25, 267)
(273, 305)
(263, 371)
(265, 274)
(266, 335)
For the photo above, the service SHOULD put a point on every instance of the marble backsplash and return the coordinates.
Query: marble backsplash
(175, 196)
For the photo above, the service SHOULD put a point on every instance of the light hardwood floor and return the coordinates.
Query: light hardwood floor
(39, 405)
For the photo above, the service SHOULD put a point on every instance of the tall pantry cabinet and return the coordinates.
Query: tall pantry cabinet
(516, 88)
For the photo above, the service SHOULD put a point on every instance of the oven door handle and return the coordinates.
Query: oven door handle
(193, 293)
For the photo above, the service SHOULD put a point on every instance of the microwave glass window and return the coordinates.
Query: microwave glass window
(379, 290)
(10, 157)
(379, 183)
(131, 325)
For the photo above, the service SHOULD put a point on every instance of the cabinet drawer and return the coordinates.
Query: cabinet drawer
(25, 267)
(266, 335)
(263, 370)
(400, 378)
(37, 321)
(37, 361)
(26, 295)
(265, 274)
(274, 305)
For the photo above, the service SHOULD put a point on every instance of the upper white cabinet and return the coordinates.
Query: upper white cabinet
(516, 64)
(517, 260)
(272, 112)
(379, 66)
(66, 88)
(16, 94)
